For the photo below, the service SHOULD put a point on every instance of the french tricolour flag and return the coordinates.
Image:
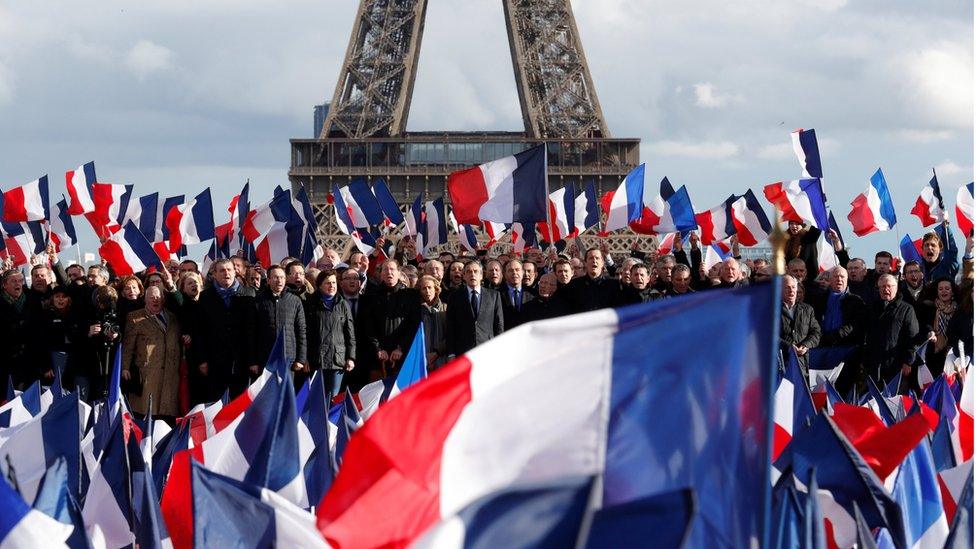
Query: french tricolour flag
(362, 238)
(79, 184)
(929, 208)
(587, 212)
(111, 203)
(466, 235)
(751, 223)
(506, 190)
(62, 227)
(964, 209)
(362, 205)
(666, 212)
(191, 223)
(25, 527)
(873, 210)
(800, 200)
(562, 215)
(143, 213)
(272, 246)
(435, 221)
(716, 224)
(627, 203)
(129, 252)
(598, 416)
(28, 202)
(807, 152)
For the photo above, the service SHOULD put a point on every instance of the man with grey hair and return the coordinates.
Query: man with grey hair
(799, 330)
(892, 335)
(841, 316)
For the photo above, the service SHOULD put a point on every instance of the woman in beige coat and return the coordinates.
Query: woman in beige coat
(152, 349)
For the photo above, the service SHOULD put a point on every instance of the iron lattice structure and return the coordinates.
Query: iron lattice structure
(364, 134)
(372, 96)
(554, 85)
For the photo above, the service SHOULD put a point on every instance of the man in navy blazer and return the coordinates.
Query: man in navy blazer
(474, 313)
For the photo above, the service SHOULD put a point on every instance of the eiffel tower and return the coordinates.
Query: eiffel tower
(364, 133)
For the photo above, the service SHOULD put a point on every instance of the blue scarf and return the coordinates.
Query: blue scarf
(833, 319)
(227, 293)
(328, 301)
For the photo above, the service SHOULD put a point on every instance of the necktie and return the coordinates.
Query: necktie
(355, 306)
(162, 319)
(518, 299)
(474, 303)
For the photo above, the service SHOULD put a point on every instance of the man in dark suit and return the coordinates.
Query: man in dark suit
(514, 294)
(474, 313)
(219, 348)
(799, 328)
(276, 308)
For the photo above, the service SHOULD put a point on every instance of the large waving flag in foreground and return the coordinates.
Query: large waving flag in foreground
(873, 210)
(522, 409)
(507, 190)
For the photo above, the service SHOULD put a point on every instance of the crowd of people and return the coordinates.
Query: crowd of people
(188, 336)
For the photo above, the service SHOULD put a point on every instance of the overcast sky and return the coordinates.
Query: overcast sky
(176, 95)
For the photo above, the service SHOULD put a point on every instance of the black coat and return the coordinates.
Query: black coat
(807, 251)
(630, 295)
(331, 334)
(392, 316)
(51, 331)
(800, 329)
(852, 310)
(542, 308)
(464, 330)
(513, 316)
(585, 294)
(15, 358)
(221, 339)
(891, 338)
(274, 313)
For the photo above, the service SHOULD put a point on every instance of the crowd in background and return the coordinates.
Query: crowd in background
(188, 336)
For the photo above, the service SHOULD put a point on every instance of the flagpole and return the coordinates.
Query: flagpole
(777, 239)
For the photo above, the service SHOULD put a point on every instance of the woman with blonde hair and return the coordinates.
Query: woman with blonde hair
(433, 314)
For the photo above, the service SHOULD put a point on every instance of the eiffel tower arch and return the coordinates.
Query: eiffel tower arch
(364, 133)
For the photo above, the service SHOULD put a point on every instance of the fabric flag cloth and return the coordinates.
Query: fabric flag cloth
(29, 202)
(794, 405)
(596, 417)
(228, 512)
(844, 479)
(79, 183)
(56, 500)
(627, 203)
(262, 218)
(964, 209)
(111, 203)
(162, 212)
(414, 369)
(22, 527)
(716, 224)
(191, 223)
(668, 211)
(63, 227)
(544, 516)
(272, 246)
(873, 210)
(363, 240)
(523, 238)
(363, 208)
(129, 252)
(587, 209)
(37, 444)
(466, 235)
(239, 207)
(929, 207)
(316, 438)
(143, 213)
(807, 152)
(562, 215)
(916, 490)
(751, 224)
(391, 211)
(716, 253)
(508, 190)
(435, 222)
(800, 201)
(910, 250)
(108, 502)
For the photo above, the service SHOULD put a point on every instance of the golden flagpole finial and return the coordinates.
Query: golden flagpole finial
(777, 239)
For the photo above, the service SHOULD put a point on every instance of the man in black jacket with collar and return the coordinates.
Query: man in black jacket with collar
(392, 315)
(277, 309)
(595, 290)
(219, 352)
(799, 329)
(474, 313)
(514, 294)
(892, 334)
